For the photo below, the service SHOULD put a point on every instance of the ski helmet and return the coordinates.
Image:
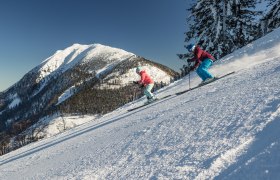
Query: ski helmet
(190, 47)
(138, 69)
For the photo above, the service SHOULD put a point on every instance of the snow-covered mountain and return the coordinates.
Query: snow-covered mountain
(81, 79)
(228, 129)
(64, 60)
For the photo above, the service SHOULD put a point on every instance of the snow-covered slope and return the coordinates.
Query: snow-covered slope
(226, 130)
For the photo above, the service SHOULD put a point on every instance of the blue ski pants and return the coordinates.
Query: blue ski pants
(202, 69)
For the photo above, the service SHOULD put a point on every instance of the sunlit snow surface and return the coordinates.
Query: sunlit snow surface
(228, 129)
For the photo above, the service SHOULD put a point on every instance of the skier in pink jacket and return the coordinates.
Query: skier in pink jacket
(147, 82)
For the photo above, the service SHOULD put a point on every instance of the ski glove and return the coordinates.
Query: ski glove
(192, 68)
(140, 85)
(181, 56)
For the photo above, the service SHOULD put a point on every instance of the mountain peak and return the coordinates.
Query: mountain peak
(62, 60)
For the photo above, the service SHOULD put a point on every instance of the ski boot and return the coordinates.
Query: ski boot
(150, 100)
(208, 80)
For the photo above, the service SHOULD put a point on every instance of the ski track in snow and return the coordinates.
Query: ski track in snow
(228, 129)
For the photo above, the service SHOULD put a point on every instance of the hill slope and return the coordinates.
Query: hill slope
(226, 130)
(81, 79)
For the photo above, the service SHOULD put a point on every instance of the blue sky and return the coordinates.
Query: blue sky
(32, 30)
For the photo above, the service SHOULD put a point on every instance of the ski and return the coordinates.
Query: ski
(149, 103)
(182, 92)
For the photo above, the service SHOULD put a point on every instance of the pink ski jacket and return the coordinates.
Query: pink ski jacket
(145, 78)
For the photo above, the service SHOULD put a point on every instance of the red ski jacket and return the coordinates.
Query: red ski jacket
(145, 78)
(200, 55)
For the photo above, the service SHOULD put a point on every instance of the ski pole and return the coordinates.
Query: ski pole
(189, 75)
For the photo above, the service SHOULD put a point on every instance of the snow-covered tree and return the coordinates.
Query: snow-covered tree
(243, 23)
(221, 26)
(205, 25)
(272, 19)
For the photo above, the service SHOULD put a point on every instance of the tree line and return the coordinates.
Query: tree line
(222, 26)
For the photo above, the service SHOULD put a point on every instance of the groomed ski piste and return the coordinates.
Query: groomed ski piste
(228, 129)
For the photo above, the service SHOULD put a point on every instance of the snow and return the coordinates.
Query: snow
(228, 129)
(104, 70)
(15, 101)
(65, 59)
(62, 59)
(156, 74)
(108, 53)
(61, 123)
(263, 6)
(67, 94)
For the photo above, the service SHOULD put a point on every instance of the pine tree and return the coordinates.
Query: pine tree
(243, 22)
(203, 24)
(271, 20)
(221, 26)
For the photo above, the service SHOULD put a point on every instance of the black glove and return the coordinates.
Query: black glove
(135, 82)
(192, 68)
(181, 56)
(142, 85)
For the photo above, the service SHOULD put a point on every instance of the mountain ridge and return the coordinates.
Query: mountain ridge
(71, 80)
